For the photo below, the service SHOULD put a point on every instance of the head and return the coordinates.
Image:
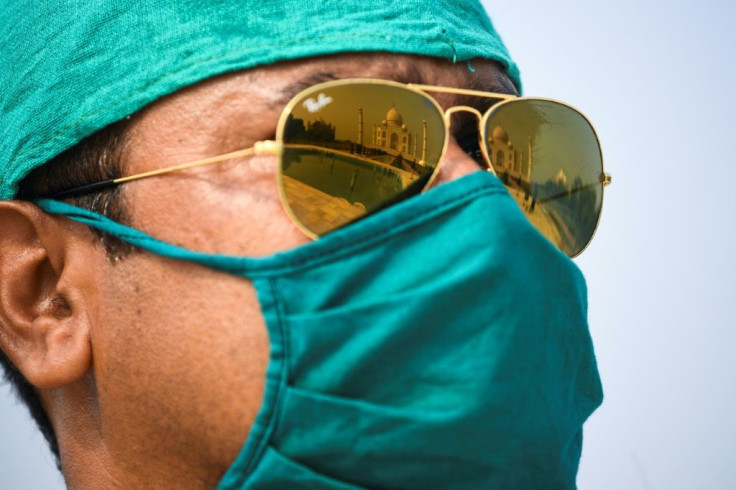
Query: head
(137, 366)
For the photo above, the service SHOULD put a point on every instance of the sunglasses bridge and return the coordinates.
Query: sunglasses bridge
(447, 117)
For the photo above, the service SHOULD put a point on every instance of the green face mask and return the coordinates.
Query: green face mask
(441, 343)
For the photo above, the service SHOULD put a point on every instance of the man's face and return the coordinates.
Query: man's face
(180, 351)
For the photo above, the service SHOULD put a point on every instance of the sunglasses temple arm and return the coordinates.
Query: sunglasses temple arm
(267, 147)
(85, 189)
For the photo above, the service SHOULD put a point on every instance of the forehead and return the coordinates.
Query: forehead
(271, 87)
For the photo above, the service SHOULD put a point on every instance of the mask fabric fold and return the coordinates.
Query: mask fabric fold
(441, 343)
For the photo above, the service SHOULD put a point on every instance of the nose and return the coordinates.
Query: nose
(456, 162)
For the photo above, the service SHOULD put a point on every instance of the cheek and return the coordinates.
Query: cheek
(231, 209)
(180, 350)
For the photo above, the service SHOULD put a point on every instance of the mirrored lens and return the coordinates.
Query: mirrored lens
(548, 156)
(352, 149)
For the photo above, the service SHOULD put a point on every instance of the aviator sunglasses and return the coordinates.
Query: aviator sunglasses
(348, 148)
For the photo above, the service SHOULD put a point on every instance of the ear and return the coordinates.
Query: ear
(44, 314)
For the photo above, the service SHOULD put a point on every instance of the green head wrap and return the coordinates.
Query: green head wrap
(69, 68)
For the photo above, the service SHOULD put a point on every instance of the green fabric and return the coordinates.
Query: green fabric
(441, 343)
(69, 68)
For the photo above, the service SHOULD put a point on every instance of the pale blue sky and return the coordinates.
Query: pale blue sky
(656, 79)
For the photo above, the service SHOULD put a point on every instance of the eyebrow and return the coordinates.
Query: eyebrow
(409, 75)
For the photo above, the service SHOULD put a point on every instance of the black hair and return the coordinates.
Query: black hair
(95, 158)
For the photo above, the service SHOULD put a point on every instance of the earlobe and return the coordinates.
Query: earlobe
(44, 322)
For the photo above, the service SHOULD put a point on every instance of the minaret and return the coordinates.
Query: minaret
(360, 126)
(423, 161)
(375, 133)
(415, 145)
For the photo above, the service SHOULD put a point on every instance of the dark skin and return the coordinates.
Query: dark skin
(152, 370)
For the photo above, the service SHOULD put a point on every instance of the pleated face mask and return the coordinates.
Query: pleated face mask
(441, 343)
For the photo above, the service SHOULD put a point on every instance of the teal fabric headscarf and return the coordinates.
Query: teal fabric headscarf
(69, 68)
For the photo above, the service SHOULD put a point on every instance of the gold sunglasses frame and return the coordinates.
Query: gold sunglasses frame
(275, 147)
(604, 178)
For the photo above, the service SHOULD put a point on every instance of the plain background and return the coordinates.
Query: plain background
(657, 80)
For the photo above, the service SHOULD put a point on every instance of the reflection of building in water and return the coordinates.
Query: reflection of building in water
(508, 160)
(392, 135)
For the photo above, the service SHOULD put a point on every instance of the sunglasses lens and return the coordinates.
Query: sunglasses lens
(352, 149)
(549, 158)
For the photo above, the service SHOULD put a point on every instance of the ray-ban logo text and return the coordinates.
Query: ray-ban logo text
(317, 105)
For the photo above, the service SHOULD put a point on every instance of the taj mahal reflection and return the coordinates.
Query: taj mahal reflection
(392, 135)
(330, 180)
